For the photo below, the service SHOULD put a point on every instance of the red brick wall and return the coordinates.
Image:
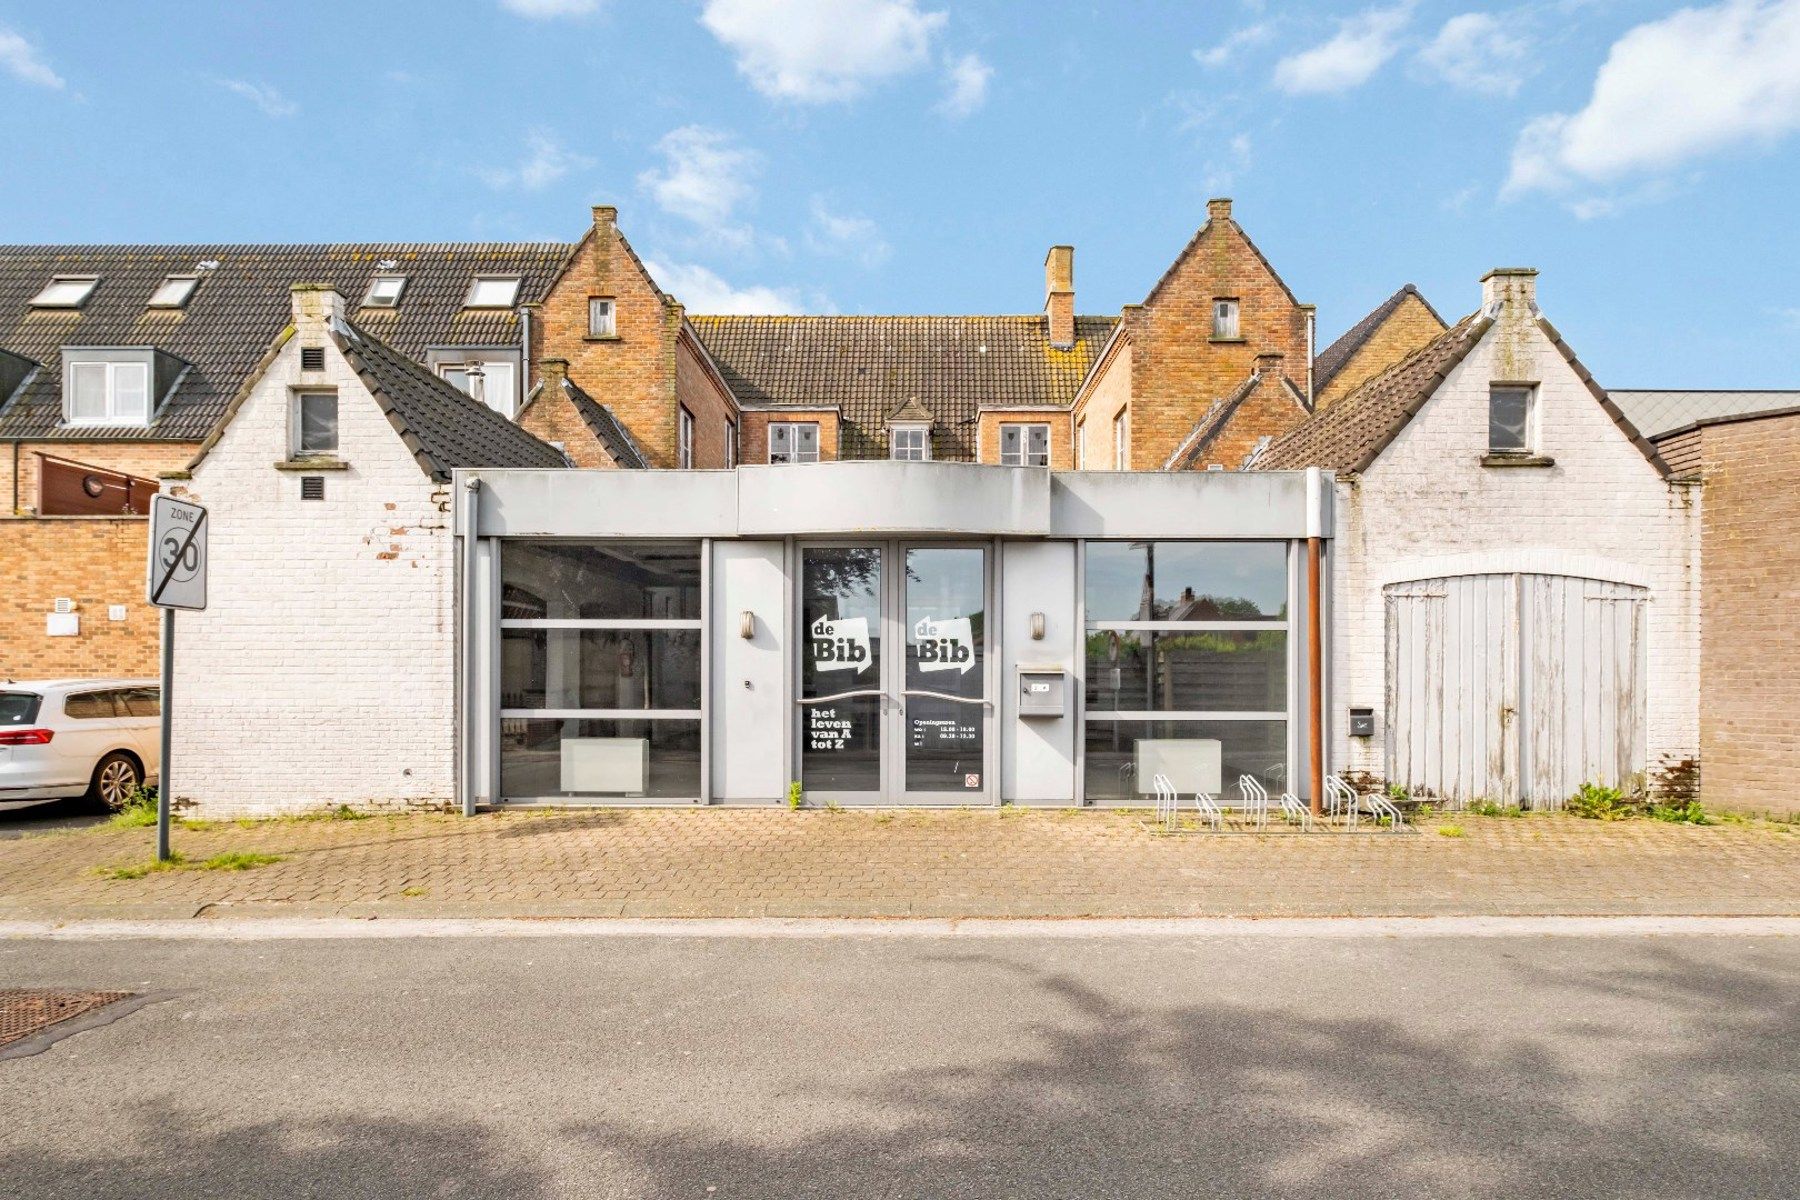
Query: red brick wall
(754, 436)
(1750, 615)
(1268, 411)
(699, 391)
(94, 561)
(634, 372)
(551, 416)
(1407, 328)
(1178, 369)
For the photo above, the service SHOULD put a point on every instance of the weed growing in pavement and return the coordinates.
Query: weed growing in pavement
(795, 796)
(237, 860)
(138, 811)
(1450, 831)
(1487, 808)
(884, 818)
(138, 871)
(1597, 802)
(413, 893)
(1686, 813)
(832, 806)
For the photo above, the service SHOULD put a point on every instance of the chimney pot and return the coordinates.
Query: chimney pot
(1059, 295)
(1218, 208)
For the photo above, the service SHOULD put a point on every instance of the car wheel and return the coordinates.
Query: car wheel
(116, 778)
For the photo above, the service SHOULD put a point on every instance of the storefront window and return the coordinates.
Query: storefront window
(601, 647)
(1186, 668)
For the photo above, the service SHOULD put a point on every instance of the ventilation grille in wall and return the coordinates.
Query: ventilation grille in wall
(312, 358)
(312, 487)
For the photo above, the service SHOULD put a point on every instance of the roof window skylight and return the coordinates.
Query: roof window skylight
(384, 291)
(493, 291)
(66, 291)
(174, 291)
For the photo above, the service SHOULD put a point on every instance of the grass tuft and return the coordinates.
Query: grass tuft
(1450, 831)
(237, 860)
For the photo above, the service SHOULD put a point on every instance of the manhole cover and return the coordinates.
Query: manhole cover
(25, 1011)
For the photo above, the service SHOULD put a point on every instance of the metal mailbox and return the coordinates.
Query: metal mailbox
(1043, 691)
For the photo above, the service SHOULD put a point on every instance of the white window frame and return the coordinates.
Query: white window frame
(795, 455)
(373, 299)
(48, 297)
(603, 323)
(477, 284)
(1022, 458)
(296, 424)
(1122, 440)
(909, 431)
(684, 438)
(731, 444)
(1225, 317)
(111, 370)
(166, 294)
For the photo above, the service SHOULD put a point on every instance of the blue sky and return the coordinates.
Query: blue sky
(920, 155)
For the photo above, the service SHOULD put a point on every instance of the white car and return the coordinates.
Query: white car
(78, 737)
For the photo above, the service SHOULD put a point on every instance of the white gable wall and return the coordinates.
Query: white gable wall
(1427, 508)
(322, 672)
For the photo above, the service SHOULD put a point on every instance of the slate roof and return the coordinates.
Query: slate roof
(869, 367)
(605, 427)
(235, 312)
(444, 428)
(1657, 412)
(1329, 361)
(1347, 435)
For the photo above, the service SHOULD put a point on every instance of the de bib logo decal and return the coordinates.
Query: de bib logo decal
(840, 645)
(945, 645)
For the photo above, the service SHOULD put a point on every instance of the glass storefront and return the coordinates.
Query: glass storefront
(600, 670)
(841, 697)
(1186, 668)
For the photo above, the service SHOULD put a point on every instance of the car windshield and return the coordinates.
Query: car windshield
(18, 708)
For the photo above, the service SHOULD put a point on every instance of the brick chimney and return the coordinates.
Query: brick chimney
(1509, 285)
(553, 371)
(1059, 295)
(1218, 208)
(316, 305)
(1269, 364)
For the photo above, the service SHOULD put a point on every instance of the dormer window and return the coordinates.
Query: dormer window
(911, 443)
(1510, 424)
(1225, 318)
(66, 291)
(174, 291)
(384, 291)
(493, 291)
(113, 391)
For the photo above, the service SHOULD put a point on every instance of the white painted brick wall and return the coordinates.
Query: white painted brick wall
(1427, 507)
(322, 672)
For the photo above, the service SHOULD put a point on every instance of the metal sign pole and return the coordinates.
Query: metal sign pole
(164, 798)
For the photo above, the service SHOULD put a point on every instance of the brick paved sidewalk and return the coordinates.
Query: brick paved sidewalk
(725, 862)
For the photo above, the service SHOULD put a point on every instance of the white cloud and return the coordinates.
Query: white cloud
(1222, 172)
(272, 102)
(846, 235)
(546, 161)
(1243, 39)
(545, 10)
(1364, 43)
(968, 76)
(1696, 82)
(22, 61)
(814, 51)
(1475, 51)
(702, 291)
(704, 179)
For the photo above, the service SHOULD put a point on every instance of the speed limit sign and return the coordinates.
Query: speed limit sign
(177, 553)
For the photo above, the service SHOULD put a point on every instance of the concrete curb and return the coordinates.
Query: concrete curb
(317, 928)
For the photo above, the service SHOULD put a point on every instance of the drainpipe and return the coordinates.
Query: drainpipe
(15, 507)
(470, 511)
(1315, 637)
(1312, 314)
(526, 358)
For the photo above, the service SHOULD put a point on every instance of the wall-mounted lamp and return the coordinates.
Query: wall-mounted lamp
(746, 624)
(1037, 626)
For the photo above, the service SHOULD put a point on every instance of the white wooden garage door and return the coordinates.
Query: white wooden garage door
(1514, 687)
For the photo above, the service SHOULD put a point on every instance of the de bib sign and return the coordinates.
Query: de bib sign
(177, 577)
(841, 645)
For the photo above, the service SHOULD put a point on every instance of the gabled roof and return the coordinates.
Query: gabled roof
(1213, 422)
(238, 307)
(910, 412)
(606, 428)
(444, 428)
(1329, 361)
(1194, 243)
(1659, 412)
(867, 367)
(1349, 435)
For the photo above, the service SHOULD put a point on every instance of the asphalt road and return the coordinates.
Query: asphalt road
(922, 1066)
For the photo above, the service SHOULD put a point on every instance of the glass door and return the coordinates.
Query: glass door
(894, 698)
(843, 691)
(944, 706)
